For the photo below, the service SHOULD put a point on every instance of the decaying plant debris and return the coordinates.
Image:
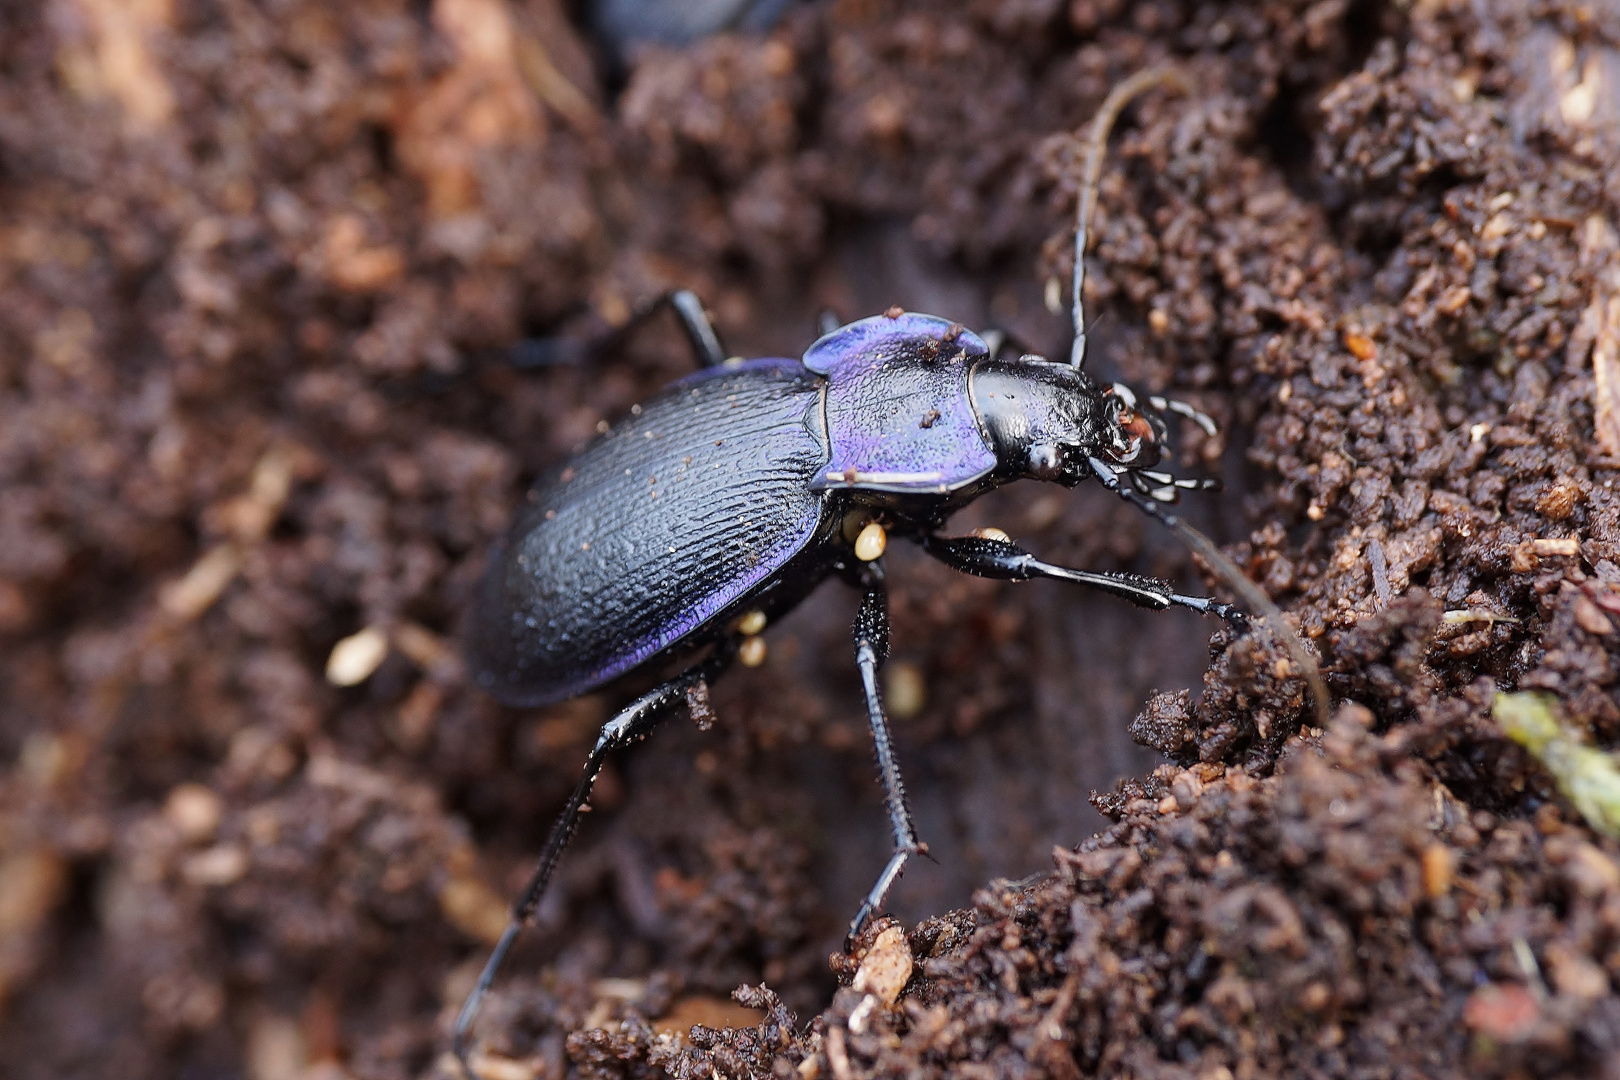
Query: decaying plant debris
(261, 267)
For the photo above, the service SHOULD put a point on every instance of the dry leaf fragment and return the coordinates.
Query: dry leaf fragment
(474, 908)
(1361, 346)
(118, 62)
(1606, 371)
(208, 577)
(1590, 617)
(886, 967)
(355, 657)
(1599, 327)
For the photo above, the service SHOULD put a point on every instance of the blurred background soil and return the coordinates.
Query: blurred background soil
(262, 266)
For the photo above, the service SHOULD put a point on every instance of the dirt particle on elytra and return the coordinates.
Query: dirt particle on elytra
(697, 705)
(255, 304)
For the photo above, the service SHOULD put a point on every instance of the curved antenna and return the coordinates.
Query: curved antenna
(1224, 567)
(1259, 601)
(1101, 124)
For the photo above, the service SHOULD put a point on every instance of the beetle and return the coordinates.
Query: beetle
(719, 504)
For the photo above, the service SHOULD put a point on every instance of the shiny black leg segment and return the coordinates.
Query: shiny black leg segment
(871, 651)
(583, 347)
(631, 724)
(1000, 559)
(699, 330)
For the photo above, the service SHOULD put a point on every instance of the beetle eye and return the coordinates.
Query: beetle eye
(1045, 463)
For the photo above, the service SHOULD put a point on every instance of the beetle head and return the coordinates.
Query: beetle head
(1047, 420)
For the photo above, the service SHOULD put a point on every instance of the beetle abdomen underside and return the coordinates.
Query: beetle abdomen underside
(651, 532)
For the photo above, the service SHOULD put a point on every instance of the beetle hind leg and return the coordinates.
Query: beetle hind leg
(871, 651)
(629, 725)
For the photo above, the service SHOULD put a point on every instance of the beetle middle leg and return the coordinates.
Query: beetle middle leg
(1002, 559)
(699, 330)
(569, 349)
(630, 724)
(871, 651)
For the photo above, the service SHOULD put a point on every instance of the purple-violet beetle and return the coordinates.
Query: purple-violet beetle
(718, 505)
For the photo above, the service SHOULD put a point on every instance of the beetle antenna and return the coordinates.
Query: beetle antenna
(1225, 568)
(1228, 572)
(1097, 145)
(1252, 595)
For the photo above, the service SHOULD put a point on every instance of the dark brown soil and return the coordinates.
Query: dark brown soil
(261, 266)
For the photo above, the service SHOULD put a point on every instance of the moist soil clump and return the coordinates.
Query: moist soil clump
(263, 274)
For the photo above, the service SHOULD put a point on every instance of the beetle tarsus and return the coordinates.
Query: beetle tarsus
(880, 890)
(871, 650)
(1209, 606)
(459, 1042)
(1266, 611)
(630, 724)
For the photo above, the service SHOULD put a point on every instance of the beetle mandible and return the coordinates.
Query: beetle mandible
(722, 502)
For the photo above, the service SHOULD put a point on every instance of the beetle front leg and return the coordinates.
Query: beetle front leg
(632, 723)
(871, 651)
(1003, 559)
